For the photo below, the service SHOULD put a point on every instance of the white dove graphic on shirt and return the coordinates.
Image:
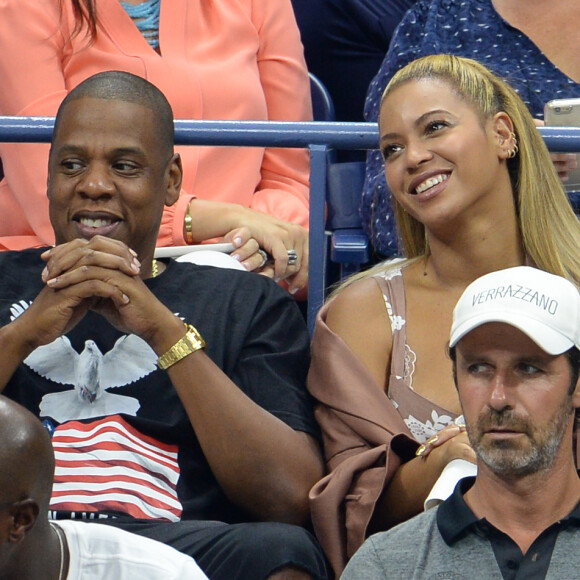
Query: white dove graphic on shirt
(91, 372)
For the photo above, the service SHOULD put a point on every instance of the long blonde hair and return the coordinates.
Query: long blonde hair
(549, 229)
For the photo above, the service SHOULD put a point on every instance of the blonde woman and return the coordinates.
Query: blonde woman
(475, 191)
(534, 47)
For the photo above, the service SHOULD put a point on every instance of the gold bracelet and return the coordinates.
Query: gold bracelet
(190, 343)
(188, 225)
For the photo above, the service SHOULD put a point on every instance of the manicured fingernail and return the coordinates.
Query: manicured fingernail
(236, 257)
(133, 252)
(420, 450)
(52, 281)
(44, 274)
(238, 242)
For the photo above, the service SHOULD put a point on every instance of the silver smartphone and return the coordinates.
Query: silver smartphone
(565, 113)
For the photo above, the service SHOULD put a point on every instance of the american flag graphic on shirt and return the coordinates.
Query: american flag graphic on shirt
(109, 465)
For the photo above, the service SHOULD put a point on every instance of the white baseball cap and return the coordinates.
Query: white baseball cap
(543, 306)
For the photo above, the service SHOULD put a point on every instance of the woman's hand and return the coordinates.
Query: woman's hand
(449, 443)
(263, 246)
(412, 482)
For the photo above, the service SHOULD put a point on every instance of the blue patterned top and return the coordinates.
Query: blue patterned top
(146, 18)
(469, 28)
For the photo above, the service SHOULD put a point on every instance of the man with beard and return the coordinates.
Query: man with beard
(514, 343)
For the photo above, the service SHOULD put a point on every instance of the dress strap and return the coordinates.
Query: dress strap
(393, 289)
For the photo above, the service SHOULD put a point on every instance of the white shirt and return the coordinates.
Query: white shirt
(97, 551)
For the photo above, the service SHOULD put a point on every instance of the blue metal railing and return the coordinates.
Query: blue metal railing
(337, 135)
(227, 133)
(316, 136)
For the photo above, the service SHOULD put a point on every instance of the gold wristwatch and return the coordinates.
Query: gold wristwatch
(191, 342)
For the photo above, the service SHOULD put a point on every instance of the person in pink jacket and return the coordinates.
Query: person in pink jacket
(218, 59)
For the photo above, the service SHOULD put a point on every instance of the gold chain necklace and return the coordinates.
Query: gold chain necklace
(154, 269)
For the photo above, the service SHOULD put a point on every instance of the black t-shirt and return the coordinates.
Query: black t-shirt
(123, 442)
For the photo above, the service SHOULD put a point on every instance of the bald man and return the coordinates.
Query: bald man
(33, 548)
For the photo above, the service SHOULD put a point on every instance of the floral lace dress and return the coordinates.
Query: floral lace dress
(422, 417)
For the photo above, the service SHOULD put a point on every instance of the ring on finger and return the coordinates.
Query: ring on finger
(292, 257)
(264, 257)
(420, 450)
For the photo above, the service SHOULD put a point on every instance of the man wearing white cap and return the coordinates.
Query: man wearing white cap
(515, 343)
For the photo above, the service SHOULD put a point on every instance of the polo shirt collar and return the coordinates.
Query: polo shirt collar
(454, 517)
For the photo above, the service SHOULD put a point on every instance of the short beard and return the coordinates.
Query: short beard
(507, 458)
